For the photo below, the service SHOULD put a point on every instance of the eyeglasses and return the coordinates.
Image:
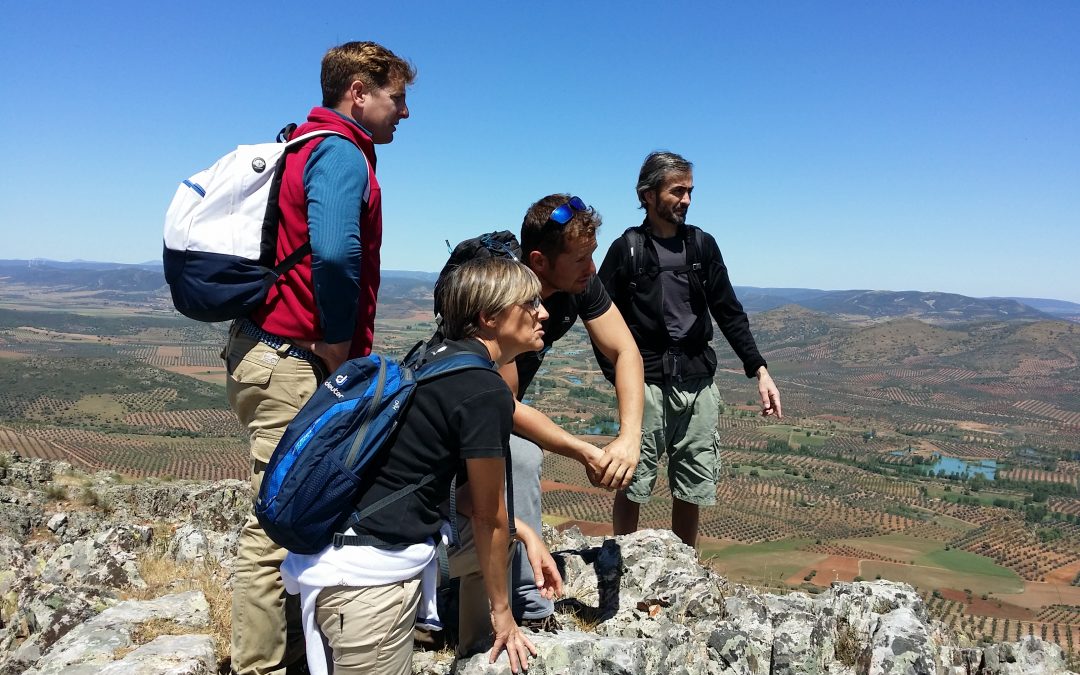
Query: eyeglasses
(562, 214)
(532, 305)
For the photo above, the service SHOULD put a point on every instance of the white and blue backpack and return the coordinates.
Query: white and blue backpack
(221, 232)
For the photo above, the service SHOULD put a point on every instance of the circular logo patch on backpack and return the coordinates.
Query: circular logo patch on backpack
(259, 164)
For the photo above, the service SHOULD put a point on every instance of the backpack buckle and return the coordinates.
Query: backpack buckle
(338, 540)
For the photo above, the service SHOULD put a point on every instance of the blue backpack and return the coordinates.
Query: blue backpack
(309, 491)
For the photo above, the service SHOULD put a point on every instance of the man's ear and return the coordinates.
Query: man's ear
(650, 198)
(538, 262)
(356, 91)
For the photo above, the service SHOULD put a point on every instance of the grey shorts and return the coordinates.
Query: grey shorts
(680, 421)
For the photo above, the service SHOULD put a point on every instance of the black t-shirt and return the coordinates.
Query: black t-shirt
(463, 415)
(678, 314)
(563, 309)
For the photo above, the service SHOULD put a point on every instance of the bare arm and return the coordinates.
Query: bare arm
(538, 428)
(333, 355)
(545, 571)
(611, 336)
(492, 535)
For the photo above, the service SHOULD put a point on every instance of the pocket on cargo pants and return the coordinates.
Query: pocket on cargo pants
(266, 390)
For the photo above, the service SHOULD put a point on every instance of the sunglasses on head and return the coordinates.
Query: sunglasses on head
(562, 214)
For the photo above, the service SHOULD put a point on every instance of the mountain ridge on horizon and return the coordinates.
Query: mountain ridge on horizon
(147, 277)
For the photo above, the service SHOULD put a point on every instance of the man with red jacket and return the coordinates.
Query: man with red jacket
(317, 315)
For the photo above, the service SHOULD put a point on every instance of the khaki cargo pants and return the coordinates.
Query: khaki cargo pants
(266, 389)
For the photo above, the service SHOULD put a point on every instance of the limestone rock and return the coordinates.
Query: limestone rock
(93, 645)
(19, 516)
(25, 473)
(640, 603)
(45, 615)
(1030, 655)
(574, 652)
(57, 522)
(168, 655)
(189, 544)
(98, 562)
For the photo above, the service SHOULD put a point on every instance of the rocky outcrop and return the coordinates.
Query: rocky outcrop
(669, 614)
(93, 647)
(640, 603)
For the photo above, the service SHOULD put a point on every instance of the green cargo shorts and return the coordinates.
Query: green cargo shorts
(680, 421)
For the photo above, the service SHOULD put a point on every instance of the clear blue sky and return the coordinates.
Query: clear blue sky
(888, 145)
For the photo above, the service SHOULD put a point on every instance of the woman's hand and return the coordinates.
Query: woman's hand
(509, 637)
(545, 571)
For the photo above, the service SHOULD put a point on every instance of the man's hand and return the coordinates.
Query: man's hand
(333, 355)
(770, 396)
(622, 454)
(592, 458)
(545, 571)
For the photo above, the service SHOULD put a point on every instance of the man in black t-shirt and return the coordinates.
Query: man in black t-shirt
(667, 278)
(558, 237)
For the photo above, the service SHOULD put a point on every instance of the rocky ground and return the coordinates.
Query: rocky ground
(93, 580)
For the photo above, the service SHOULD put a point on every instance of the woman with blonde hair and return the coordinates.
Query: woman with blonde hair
(360, 602)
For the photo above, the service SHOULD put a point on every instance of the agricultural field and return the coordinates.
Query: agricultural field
(946, 456)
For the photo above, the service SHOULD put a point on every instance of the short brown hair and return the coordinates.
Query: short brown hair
(483, 286)
(371, 63)
(537, 234)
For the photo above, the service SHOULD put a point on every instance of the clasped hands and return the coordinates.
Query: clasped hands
(613, 467)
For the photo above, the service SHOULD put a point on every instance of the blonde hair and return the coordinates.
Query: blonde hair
(483, 286)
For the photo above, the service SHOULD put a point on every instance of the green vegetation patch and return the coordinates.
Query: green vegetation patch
(67, 322)
(722, 552)
(772, 561)
(984, 497)
(95, 382)
(896, 546)
(99, 405)
(964, 562)
(930, 578)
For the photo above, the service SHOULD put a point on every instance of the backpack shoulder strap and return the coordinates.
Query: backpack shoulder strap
(694, 244)
(273, 209)
(452, 364)
(635, 243)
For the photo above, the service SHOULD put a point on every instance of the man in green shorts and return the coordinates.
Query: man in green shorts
(667, 278)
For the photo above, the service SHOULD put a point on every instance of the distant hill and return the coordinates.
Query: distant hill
(408, 291)
(897, 340)
(1059, 308)
(795, 326)
(1038, 347)
(867, 305)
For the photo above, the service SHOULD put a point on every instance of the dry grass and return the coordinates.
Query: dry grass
(847, 644)
(56, 493)
(164, 575)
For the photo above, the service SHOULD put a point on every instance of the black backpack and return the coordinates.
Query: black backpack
(502, 244)
(635, 241)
